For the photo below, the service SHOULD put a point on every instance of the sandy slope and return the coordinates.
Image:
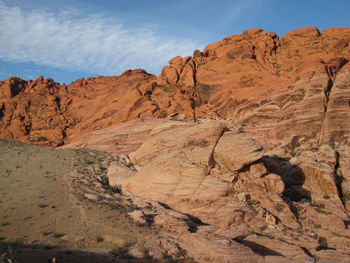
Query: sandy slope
(43, 208)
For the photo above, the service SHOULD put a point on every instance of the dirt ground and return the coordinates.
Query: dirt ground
(44, 212)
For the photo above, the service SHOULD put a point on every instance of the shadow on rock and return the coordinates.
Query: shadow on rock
(292, 176)
(259, 249)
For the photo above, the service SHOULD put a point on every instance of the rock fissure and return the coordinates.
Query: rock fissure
(338, 178)
(308, 253)
(212, 161)
(327, 93)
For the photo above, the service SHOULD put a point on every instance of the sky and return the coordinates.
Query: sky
(70, 39)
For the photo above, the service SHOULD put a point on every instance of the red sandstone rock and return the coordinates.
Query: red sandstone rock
(290, 95)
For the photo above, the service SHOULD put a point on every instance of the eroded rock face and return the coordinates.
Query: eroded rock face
(47, 113)
(290, 96)
(259, 202)
(235, 151)
(283, 92)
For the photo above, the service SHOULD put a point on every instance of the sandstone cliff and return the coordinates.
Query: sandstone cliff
(295, 87)
(250, 134)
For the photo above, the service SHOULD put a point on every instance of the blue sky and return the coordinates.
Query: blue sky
(69, 39)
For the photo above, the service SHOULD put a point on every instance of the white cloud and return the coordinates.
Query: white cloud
(93, 43)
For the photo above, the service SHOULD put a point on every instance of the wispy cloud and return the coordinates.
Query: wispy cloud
(235, 10)
(93, 43)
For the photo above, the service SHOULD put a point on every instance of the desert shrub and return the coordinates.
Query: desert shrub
(196, 143)
(322, 211)
(104, 180)
(317, 226)
(252, 202)
(122, 252)
(326, 197)
(323, 244)
(129, 165)
(99, 239)
(262, 228)
(279, 208)
(304, 200)
(199, 102)
(146, 254)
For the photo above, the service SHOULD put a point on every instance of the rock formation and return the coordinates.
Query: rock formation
(232, 190)
(249, 137)
(263, 83)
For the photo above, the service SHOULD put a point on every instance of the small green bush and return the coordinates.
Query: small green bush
(326, 197)
(304, 200)
(129, 165)
(323, 243)
(104, 180)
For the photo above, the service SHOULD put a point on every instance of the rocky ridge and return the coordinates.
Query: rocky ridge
(261, 82)
(208, 182)
(245, 144)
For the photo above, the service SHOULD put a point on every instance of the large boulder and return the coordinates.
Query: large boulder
(234, 151)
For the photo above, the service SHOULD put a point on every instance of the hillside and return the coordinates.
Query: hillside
(263, 83)
(58, 204)
(239, 153)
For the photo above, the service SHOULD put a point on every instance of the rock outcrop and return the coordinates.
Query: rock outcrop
(245, 143)
(281, 210)
(293, 90)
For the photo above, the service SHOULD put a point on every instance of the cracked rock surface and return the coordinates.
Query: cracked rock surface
(239, 153)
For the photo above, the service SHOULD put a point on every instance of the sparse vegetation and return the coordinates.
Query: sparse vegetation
(58, 235)
(40, 193)
(262, 228)
(322, 211)
(279, 208)
(166, 256)
(343, 199)
(281, 239)
(314, 235)
(89, 162)
(198, 103)
(202, 143)
(122, 252)
(317, 226)
(304, 200)
(318, 205)
(326, 196)
(105, 180)
(99, 239)
(146, 254)
(252, 202)
(129, 165)
(323, 244)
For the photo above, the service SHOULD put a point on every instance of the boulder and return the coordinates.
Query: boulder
(234, 151)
